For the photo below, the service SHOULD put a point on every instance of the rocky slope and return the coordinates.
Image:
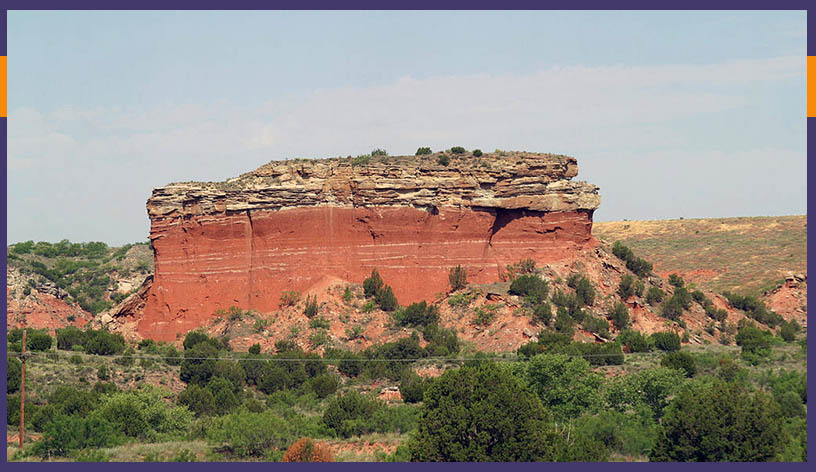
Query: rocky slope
(289, 225)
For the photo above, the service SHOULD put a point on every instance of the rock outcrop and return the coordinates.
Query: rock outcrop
(290, 224)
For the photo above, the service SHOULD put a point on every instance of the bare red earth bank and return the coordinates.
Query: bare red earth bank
(238, 260)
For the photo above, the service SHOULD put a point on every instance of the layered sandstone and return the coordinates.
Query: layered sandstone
(290, 224)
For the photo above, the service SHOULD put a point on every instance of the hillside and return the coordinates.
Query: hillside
(55, 284)
(746, 255)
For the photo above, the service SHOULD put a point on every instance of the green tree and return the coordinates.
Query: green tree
(373, 284)
(13, 374)
(682, 361)
(198, 399)
(620, 316)
(457, 278)
(654, 296)
(666, 340)
(386, 300)
(198, 364)
(719, 422)
(481, 413)
(565, 385)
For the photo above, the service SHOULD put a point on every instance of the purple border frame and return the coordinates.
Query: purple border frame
(381, 5)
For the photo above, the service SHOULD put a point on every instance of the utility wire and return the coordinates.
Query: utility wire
(262, 359)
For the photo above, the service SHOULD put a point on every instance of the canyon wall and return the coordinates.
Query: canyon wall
(290, 225)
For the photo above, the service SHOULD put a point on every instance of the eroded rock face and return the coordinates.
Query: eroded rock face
(290, 224)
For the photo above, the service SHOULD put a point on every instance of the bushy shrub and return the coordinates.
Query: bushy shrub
(255, 349)
(71, 401)
(598, 326)
(198, 364)
(423, 151)
(346, 414)
(531, 287)
(64, 434)
(170, 354)
(457, 278)
(103, 343)
(755, 342)
(542, 313)
(681, 361)
(583, 289)
(719, 422)
(676, 280)
(144, 414)
(38, 340)
(246, 434)
(404, 349)
(788, 330)
(639, 266)
(104, 388)
(379, 152)
(458, 150)
(634, 341)
(717, 314)
(13, 374)
(418, 314)
(223, 395)
(386, 300)
(325, 385)
(625, 286)
(481, 413)
(69, 337)
(667, 341)
(289, 298)
(412, 387)
(443, 159)
(361, 160)
(198, 399)
(566, 385)
(477, 153)
(373, 284)
(311, 306)
(441, 341)
(654, 295)
(350, 364)
(306, 450)
(620, 316)
(754, 308)
(672, 308)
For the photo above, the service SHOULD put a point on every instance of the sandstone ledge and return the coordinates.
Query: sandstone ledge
(518, 180)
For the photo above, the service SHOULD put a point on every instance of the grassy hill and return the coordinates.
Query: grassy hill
(747, 255)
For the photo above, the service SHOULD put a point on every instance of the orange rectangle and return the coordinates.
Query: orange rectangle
(811, 86)
(4, 92)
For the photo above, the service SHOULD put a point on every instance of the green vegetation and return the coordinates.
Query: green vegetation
(86, 271)
(458, 150)
(641, 267)
(443, 160)
(457, 278)
(423, 151)
(383, 294)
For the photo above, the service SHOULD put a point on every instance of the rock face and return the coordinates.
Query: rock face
(290, 224)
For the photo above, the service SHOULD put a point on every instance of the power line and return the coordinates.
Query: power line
(271, 359)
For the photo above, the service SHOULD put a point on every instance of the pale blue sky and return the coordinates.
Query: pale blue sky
(693, 114)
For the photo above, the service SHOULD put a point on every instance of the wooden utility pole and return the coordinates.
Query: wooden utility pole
(22, 392)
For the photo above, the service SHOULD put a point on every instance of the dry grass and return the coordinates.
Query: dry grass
(747, 255)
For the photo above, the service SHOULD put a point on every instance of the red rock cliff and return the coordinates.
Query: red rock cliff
(290, 224)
